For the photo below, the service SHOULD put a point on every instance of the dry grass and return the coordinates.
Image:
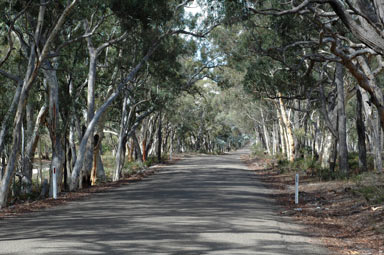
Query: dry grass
(338, 211)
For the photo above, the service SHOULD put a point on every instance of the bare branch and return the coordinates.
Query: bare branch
(55, 30)
(380, 68)
(9, 34)
(356, 53)
(200, 35)
(110, 42)
(296, 9)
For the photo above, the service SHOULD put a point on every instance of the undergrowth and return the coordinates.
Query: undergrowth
(369, 184)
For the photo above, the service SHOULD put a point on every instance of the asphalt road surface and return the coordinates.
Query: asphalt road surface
(201, 205)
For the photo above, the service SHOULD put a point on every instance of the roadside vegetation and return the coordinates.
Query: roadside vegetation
(95, 90)
(346, 212)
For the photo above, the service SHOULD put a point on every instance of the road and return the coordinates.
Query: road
(201, 205)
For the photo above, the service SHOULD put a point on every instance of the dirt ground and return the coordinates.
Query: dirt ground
(346, 222)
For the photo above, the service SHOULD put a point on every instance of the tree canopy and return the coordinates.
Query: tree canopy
(86, 81)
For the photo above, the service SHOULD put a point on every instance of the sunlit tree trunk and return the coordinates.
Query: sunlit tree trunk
(288, 128)
(121, 141)
(326, 149)
(282, 135)
(265, 132)
(275, 138)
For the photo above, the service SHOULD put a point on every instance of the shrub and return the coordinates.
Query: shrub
(370, 186)
(257, 150)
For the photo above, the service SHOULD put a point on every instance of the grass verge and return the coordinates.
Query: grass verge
(346, 213)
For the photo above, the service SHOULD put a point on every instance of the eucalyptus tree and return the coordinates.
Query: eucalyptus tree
(55, 54)
(290, 59)
(37, 50)
(155, 25)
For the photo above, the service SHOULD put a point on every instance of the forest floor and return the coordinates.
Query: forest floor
(336, 210)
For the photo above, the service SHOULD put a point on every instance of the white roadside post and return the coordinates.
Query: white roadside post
(296, 188)
(54, 186)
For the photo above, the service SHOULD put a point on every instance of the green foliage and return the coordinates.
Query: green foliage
(311, 167)
(258, 150)
(145, 13)
(326, 174)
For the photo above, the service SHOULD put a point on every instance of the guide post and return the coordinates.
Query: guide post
(296, 188)
(54, 184)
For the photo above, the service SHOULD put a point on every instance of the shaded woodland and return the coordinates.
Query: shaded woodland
(93, 89)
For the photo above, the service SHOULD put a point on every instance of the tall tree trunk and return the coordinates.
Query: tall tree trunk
(137, 147)
(11, 111)
(98, 114)
(159, 139)
(73, 123)
(121, 142)
(171, 144)
(360, 127)
(30, 75)
(131, 150)
(282, 135)
(326, 149)
(377, 142)
(96, 151)
(144, 145)
(288, 128)
(274, 137)
(342, 122)
(31, 149)
(85, 179)
(265, 132)
(296, 126)
(374, 127)
(57, 162)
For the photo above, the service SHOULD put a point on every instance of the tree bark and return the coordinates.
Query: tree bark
(342, 122)
(159, 139)
(288, 128)
(31, 74)
(54, 128)
(31, 149)
(376, 97)
(4, 124)
(377, 143)
(98, 114)
(137, 147)
(282, 135)
(360, 127)
(96, 151)
(120, 143)
(265, 132)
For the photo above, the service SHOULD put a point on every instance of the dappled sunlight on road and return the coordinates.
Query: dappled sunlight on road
(202, 205)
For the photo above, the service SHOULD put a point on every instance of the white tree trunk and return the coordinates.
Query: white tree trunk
(288, 129)
(30, 150)
(121, 141)
(327, 149)
(265, 132)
